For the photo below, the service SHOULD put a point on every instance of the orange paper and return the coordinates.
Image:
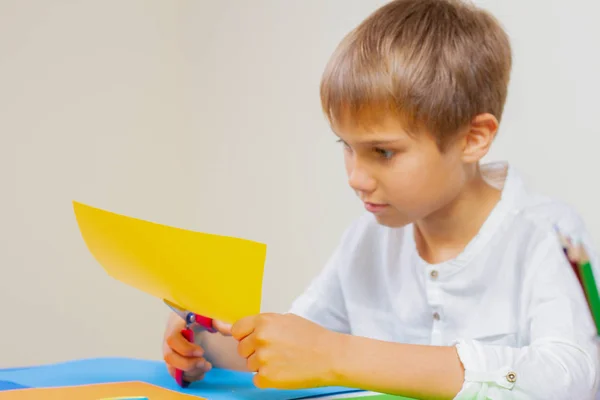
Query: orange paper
(101, 391)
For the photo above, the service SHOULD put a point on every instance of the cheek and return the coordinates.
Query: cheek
(421, 180)
(444, 182)
(406, 181)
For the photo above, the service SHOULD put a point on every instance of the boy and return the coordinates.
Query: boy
(454, 284)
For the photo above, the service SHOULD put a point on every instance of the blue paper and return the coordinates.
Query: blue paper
(7, 385)
(218, 384)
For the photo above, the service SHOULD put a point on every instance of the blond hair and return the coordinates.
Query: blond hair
(435, 64)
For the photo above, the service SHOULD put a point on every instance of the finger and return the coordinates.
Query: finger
(180, 345)
(222, 327)
(261, 382)
(183, 363)
(208, 367)
(252, 363)
(247, 346)
(171, 370)
(193, 378)
(243, 327)
(199, 373)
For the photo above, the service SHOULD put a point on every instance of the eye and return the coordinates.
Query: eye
(387, 154)
(343, 143)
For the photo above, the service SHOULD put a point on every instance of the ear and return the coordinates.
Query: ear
(479, 137)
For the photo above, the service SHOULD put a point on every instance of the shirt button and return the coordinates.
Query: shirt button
(436, 316)
(511, 377)
(433, 274)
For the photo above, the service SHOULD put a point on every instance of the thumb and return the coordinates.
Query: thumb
(222, 327)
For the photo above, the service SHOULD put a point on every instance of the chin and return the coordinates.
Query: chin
(390, 221)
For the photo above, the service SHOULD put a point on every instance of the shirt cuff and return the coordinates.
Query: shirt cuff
(479, 377)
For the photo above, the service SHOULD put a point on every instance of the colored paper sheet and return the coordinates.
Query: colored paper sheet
(218, 384)
(212, 275)
(378, 397)
(6, 385)
(360, 395)
(102, 391)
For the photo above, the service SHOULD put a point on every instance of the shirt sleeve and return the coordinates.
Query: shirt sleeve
(561, 358)
(323, 301)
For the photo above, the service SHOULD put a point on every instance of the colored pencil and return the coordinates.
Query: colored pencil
(589, 283)
(580, 263)
(568, 249)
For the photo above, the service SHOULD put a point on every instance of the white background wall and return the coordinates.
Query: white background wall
(205, 115)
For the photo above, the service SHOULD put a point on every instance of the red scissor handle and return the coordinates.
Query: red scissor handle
(205, 322)
(188, 334)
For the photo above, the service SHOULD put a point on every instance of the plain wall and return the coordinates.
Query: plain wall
(205, 115)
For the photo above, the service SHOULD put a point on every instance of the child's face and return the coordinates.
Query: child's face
(401, 178)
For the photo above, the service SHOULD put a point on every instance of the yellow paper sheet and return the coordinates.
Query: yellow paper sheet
(100, 391)
(216, 276)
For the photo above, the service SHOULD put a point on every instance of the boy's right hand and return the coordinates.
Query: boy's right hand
(178, 353)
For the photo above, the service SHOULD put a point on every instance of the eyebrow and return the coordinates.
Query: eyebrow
(378, 142)
(375, 142)
(381, 142)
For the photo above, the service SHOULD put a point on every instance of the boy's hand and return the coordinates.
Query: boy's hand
(286, 351)
(178, 353)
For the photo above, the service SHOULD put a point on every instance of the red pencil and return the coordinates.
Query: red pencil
(569, 248)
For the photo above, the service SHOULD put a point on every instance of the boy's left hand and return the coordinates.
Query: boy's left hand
(287, 351)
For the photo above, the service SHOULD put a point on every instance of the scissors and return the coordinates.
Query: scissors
(193, 322)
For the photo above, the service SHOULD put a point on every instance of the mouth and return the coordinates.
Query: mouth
(375, 208)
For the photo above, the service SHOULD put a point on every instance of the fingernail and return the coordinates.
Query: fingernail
(200, 364)
(208, 366)
(198, 353)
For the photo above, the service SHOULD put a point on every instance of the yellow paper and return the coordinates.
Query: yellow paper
(216, 276)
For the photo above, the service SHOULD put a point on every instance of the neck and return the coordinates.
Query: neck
(444, 234)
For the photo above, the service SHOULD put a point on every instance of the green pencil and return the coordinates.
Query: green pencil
(589, 284)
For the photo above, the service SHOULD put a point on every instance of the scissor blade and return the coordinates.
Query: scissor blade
(177, 309)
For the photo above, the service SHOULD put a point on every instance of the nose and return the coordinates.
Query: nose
(359, 178)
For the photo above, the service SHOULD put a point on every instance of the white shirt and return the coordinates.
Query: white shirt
(509, 302)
